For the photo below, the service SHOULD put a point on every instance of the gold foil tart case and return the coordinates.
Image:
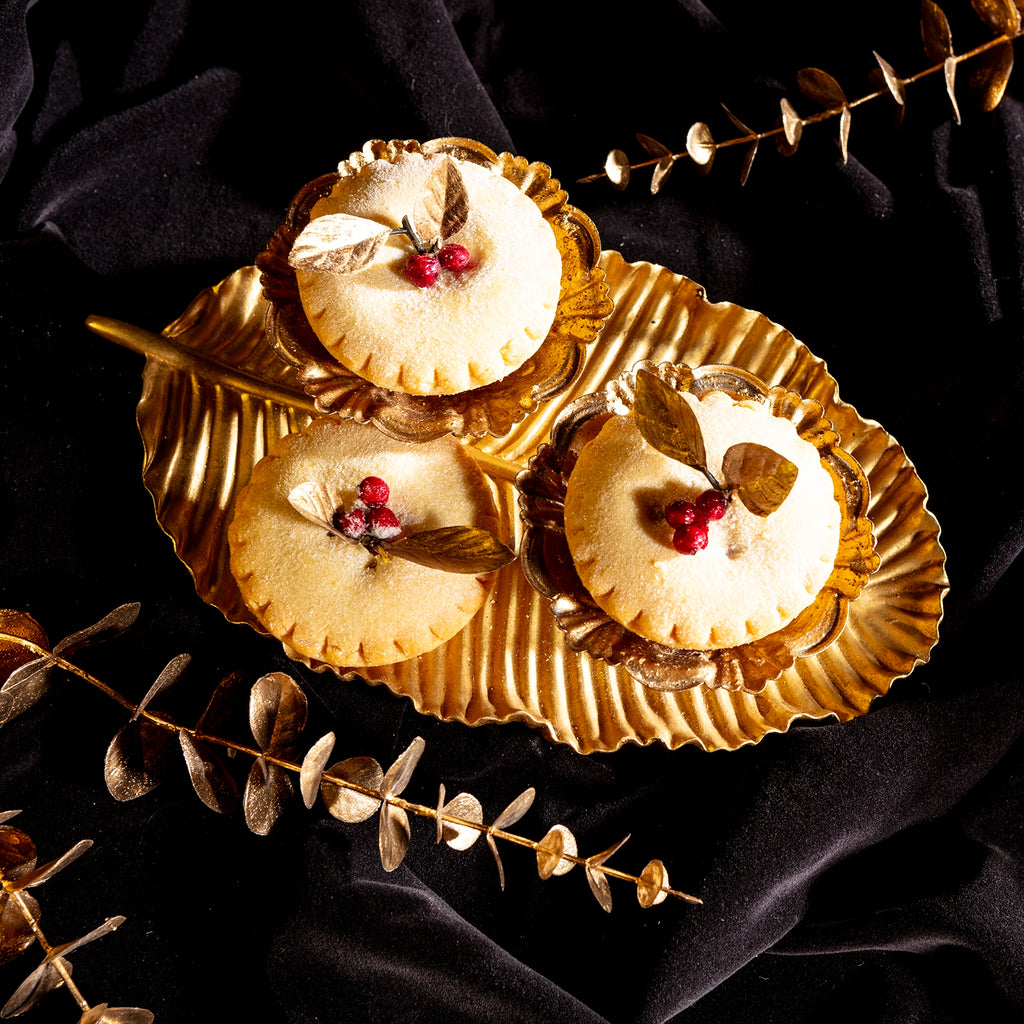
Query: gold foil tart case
(583, 305)
(547, 563)
(216, 398)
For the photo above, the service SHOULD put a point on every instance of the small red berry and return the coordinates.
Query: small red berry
(351, 524)
(690, 538)
(713, 504)
(383, 524)
(454, 257)
(422, 268)
(681, 513)
(373, 491)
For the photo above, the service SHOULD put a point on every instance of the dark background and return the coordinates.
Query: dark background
(870, 871)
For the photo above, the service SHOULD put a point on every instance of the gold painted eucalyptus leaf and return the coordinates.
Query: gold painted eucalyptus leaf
(666, 422)
(552, 851)
(16, 934)
(104, 1014)
(700, 144)
(650, 889)
(18, 624)
(935, 32)
(312, 769)
(761, 478)
(442, 209)
(267, 790)
(468, 808)
(338, 243)
(893, 82)
(598, 880)
(210, 778)
(990, 74)
(616, 166)
(17, 852)
(348, 804)
(792, 126)
(1002, 16)
(820, 87)
(466, 549)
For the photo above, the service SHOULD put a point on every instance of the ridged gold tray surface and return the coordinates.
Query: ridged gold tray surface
(215, 399)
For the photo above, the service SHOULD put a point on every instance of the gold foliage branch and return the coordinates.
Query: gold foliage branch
(993, 63)
(353, 790)
(20, 929)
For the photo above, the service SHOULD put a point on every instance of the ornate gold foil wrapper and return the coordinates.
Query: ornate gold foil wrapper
(582, 306)
(216, 398)
(547, 563)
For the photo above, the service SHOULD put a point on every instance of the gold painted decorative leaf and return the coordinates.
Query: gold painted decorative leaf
(137, 759)
(661, 173)
(844, 133)
(111, 625)
(267, 790)
(653, 882)
(1001, 16)
(103, 1014)
(394, 836)
(43, 980)
(467, 807)
(16, 933)
(935, 33)
(616, 166)
(598, 880)
(312, 769)
(464, 549)
(338, 243)
(227, 695)
(990, 73)
(666, 422)
(443, 207)
(20, 624)
(748, 156)
(211, 780)
(397, 777)
(552, 851)
(949, 74)
(17, 852)
(351, 805)
(700, 144)
(509, 816)
(761, 478)
(45, 872)
(277, 713)
(792, 125)
(653, 146)
(895, 84)
(820, 87)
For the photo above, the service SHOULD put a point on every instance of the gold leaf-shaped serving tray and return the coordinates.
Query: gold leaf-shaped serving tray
(215, 399)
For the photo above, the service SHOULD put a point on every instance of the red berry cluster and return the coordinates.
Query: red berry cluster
(369, 518)
(690, 520)
(422, 268)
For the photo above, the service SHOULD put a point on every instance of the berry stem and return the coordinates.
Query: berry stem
(408, 229)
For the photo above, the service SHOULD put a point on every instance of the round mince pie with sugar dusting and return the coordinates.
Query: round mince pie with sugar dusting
(696, 527)
(427, 274)
(325, 534)
(751, 575)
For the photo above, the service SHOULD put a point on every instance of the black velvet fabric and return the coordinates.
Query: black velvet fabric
(868, 871)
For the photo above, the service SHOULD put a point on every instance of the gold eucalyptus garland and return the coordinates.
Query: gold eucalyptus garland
(20, 929)
(987, 80)
(353, 790)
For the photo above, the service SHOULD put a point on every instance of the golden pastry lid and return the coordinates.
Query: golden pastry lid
(583, 304)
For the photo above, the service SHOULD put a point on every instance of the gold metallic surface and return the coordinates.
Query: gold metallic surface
(203, 430)
(547, 563)
(582, 306)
